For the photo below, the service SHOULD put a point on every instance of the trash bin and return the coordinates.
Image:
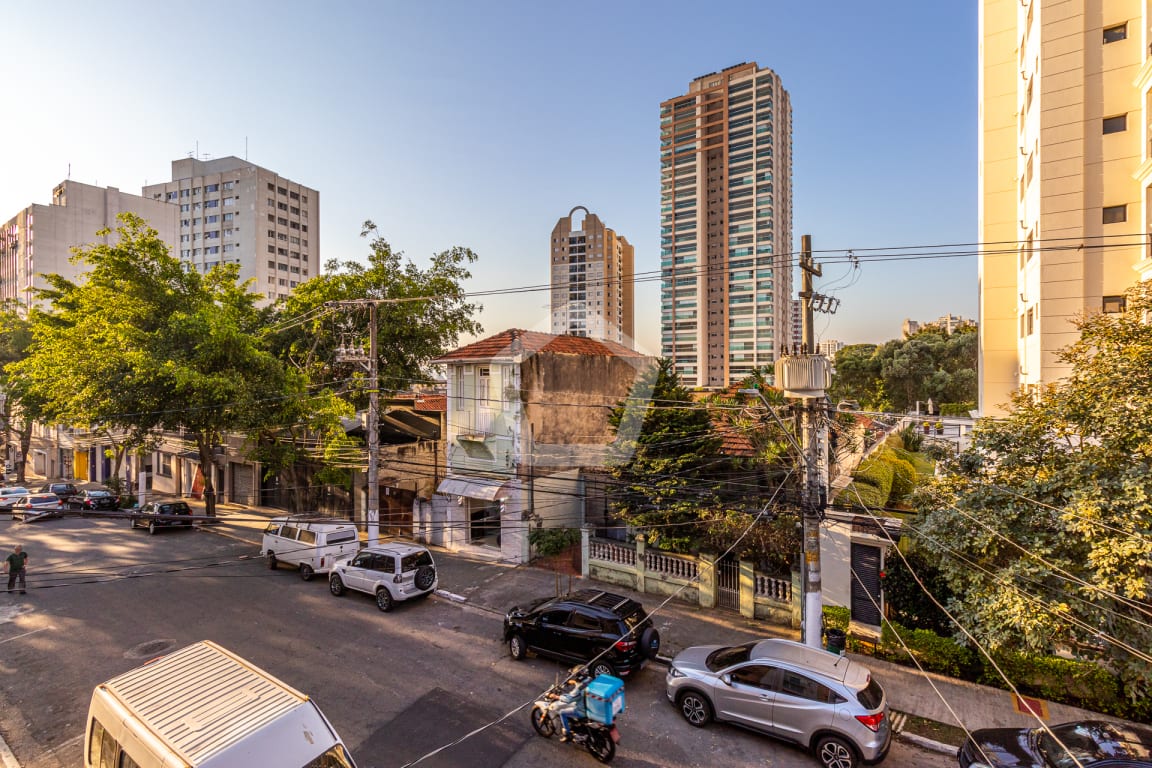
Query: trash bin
(835, 640)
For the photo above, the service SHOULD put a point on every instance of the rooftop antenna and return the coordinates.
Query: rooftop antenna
(69, 170)
(245, 149)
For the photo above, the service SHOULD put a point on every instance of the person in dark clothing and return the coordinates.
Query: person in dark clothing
(15, 565)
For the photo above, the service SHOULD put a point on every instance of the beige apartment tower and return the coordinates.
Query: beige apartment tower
(1065, 172)
(592, 279)
(231, 210)
(726, 225)
(39, 239)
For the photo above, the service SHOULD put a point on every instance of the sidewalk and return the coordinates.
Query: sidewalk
(494, 587)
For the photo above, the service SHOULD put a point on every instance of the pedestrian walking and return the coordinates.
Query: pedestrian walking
(15, 566)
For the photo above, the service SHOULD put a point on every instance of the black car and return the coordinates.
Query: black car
(584, 626)
(162, 514)
(62, 490)
(94, 499)
(1089, 743)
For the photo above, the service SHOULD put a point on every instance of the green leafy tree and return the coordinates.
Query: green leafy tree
(858, 377)
(1041, 526)
(421, 314)
(19, 408)
(164, 348)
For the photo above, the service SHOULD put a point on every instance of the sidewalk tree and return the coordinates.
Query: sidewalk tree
(20, 406)
(423, 311)
(146, 345)
(1041, 525)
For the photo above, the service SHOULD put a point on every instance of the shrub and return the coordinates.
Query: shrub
(935, 653)
(553, 541)
(836, 617)
(875, 472)
(860, 494)
(912, 438)
(1067, 681)
(956, 409)
(903, 476)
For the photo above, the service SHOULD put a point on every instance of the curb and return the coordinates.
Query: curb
(929, 744)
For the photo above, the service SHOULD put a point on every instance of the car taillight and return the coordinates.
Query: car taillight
(625, 645)
(871, 722)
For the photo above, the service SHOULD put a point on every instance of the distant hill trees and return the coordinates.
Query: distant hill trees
(895, 375)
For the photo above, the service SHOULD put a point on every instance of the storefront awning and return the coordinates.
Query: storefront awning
(471, 487)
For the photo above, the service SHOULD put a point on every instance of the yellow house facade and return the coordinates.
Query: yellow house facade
(1064, 176)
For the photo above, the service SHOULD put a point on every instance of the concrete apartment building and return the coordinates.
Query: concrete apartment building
(592, 279)
(39, 239)
(230, 210)
(1065, 172)
(726, 225)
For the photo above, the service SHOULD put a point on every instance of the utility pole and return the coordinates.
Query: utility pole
(804, 376)
(354, 354)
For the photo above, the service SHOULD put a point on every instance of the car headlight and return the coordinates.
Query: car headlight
(674, 672)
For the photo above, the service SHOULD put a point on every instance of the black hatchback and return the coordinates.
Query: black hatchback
(611, 631)
(1084, 743)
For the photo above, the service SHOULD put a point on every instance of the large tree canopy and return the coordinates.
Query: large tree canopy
(144, 344)
(1041, 526)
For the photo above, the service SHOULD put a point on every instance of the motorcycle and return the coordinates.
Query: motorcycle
(599, 739)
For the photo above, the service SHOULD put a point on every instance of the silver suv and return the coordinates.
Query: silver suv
(822, 701)
(391, 572)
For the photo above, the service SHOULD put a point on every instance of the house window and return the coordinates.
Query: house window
(1115, 214)
(458, 387)
(1116, 33)
(1114, 304)
(1116, 124)
(484, 377)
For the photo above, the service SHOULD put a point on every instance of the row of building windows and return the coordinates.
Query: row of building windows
(284, 191)
(195, 191)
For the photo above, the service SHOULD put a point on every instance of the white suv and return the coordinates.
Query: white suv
(391, 572)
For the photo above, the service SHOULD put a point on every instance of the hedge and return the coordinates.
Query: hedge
(875, 472)
(903, 476)
(860, 494)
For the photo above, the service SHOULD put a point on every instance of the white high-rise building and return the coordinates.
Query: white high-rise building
(726, 225)
(39, 240)
(592, 279)
(231, 210)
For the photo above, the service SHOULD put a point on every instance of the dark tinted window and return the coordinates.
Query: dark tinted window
(384, 563)
(871, 695)
(1116, 124)
(362, 560)
(726, 657)
(1116, 33)
(339, 537)
(794, 684)
(753, 674)
(414, 561)
(555, 617)
(581, 620)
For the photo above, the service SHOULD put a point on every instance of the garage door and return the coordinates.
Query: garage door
(243, 484)
(865, 584)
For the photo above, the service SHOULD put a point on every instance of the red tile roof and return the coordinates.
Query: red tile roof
(734, 441)
(432, 403)
(516, 341)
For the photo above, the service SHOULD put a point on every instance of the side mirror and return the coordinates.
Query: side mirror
(726, 679)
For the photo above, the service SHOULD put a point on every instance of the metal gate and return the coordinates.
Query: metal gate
(866, 584)
(728, 583)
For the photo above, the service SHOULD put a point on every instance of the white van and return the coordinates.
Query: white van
(205, 707)
(311, 545)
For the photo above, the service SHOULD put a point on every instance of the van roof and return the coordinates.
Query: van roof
(202, 699)
(314, 520)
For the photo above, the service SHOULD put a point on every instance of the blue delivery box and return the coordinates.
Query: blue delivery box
(604, 698)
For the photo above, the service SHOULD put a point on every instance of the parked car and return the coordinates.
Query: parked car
(93, 499)
(391, 572)
(822, 701)
(162, 514)
(587, 625)
(9, 496)
(310, 545)
(1089, 743)
(62, 490)
(36, 506)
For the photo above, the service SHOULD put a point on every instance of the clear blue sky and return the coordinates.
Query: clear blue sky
(480, 124)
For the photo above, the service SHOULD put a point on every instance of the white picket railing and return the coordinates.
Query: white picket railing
(670, 565)
(612, 553)
(778, 589)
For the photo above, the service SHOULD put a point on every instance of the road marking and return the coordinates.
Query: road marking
(17, 637)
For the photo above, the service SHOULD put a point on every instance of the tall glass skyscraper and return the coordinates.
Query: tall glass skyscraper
(726, 225)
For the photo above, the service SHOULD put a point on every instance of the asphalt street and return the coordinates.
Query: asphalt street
(431, 675)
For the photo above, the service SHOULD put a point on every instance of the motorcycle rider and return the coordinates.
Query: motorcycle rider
(570, 703)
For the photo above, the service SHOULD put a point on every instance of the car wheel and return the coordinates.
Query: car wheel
(696, 709)
(306, 572)
(834, 752)
(603, 668)
(425, 577)
(542, 722)
(270, 558)
(517, 648)
(384, 599)
(650, 642)
(336, 585)
(152, 528)
(600, 745)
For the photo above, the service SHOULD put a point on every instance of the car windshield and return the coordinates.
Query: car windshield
(726, 657)
(1084, 743)
(415, 560)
